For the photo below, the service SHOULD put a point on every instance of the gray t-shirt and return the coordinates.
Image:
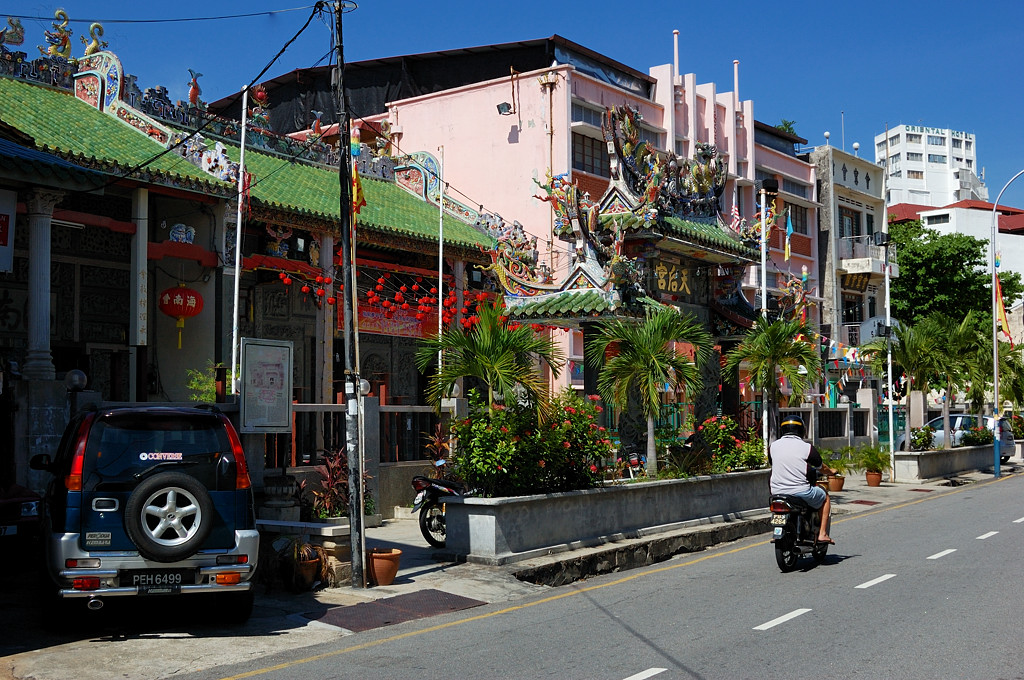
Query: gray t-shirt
(791, 459)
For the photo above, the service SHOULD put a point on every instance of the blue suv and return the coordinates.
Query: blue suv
(151, 500)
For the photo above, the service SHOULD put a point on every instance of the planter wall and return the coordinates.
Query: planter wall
(943, 462)
(502, 530)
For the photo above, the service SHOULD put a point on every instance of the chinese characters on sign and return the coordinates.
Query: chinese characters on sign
(672, 279)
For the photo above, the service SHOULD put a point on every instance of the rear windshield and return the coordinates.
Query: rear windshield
(123, 448)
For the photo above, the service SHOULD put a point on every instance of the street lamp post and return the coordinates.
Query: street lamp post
(766, 186)
(997, 410)
(882, 239)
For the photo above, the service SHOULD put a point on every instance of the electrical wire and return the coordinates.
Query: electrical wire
(167, 21)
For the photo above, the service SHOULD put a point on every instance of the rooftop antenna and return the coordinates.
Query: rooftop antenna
(842, 136)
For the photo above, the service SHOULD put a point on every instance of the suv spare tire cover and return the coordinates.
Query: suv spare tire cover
(169, 516)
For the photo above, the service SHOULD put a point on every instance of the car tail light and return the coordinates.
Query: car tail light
(241, 469)
(780, 506)
(73, 480)
(420, 483)
(91, 583)
(87, 563)
(232, 559)
(229, 579)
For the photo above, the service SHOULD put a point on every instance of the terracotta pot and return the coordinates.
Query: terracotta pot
(305, 572)
(382, 565)
(874, 478)
(823, 483)
(836, 482)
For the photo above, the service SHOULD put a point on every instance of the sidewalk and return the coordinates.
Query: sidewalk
(423, 568)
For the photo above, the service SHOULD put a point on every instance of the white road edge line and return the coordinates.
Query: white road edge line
(649, 673)
(988, 535)
(782, 619)
(1018, 521)
(942, 554)
(876, 581)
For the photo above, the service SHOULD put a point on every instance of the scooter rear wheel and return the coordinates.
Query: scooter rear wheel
(432, 523)
(786, 557)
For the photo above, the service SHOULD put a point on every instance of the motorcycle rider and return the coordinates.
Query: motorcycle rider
(794, 462)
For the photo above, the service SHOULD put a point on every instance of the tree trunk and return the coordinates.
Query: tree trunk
(652, 450)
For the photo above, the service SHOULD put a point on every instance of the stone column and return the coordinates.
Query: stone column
(38, 359)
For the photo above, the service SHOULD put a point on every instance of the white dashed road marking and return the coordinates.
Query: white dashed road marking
(1018, 521)
(942, 554)
(988, 535)
(649, 673)
(876, 581)
(782, 619)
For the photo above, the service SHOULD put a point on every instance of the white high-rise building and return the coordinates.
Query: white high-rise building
(929, 166)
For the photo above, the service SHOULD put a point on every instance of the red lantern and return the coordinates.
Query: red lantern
(331, 300)
(181, 303)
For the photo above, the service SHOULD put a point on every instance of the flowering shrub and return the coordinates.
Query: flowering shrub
(921, 438)
(977, 436)
(752, 451)
(719, 436)
(1017, 423)
(506, 451)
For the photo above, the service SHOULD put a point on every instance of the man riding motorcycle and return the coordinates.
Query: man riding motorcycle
(794, 462)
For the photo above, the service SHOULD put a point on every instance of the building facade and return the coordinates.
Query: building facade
(930, 166)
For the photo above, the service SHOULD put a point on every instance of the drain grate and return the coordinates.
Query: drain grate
(867, 502)
(922, 490)
(954, 482)
(392, 610)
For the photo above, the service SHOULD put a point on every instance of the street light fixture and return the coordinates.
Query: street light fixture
(997, 410)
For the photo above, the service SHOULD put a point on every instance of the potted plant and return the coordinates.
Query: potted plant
(841, 464)
(874, 460)
(305, 563)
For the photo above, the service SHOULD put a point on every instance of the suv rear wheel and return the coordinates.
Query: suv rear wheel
(169, 516)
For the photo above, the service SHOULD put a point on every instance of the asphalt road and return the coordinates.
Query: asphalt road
(926, 589)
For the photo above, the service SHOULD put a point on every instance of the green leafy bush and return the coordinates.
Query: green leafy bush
(752, 451)
(1017, 424)
(977, 436)
(872, 458)
(922, 438)
(507, 451)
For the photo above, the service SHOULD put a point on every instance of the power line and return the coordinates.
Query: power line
(167, 21)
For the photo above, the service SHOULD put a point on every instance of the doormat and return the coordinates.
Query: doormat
(867, 502)
(392, 610)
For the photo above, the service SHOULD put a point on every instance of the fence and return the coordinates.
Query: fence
(899, 421)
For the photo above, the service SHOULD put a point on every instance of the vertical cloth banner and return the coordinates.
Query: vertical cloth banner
(1004, 323)
(789, 232)
(358, 199)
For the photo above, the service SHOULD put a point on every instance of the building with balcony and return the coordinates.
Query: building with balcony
(930, 166)
(852, 222)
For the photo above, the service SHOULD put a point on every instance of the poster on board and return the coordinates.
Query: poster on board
(266, 385)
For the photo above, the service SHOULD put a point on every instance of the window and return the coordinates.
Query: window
(870, 224)
(915, 174)
(652, 138)
(894, 140)
(590, 155)
(794, 188)
(935, 140)
(849, 223)
(799, 215)
(957, 143)
(898, 173)
(958, 160)
(938, 219)
(915, 157)
(970, 163)
(936, 158)
(585, 114)
(880, 147)
(913, 139)
(968, 145)
(681, 148)
(895, 158)
(853, 311)
(872, 306)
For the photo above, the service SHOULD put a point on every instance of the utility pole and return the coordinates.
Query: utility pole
(351, 378)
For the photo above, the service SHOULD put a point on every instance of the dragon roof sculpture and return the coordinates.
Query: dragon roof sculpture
(645, 191)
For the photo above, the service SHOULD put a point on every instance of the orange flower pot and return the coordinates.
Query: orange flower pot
(382, 565)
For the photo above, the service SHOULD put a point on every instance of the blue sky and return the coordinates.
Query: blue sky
(849, 68)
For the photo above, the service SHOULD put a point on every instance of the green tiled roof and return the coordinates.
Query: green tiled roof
(59, 123)
(70, 128)
(700, 233)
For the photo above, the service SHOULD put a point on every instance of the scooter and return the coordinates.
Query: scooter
(795, 532)
(428, 501)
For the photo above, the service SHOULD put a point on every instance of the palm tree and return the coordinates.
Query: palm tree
(913, 354)
(647, 362)
(770, 350)
(501, 354)
(957, 361)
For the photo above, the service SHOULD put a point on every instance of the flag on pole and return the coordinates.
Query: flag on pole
(358, 199)
(735, 224)
(789, 232)
(1004, 323)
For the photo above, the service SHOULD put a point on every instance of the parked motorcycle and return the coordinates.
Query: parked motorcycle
(795, 527)
(428, 501)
